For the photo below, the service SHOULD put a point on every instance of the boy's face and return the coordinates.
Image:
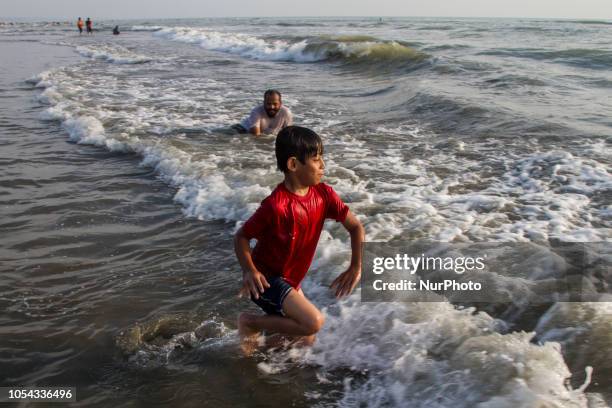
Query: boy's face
(310, 173)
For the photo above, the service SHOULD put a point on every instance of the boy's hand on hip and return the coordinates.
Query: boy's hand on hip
(346, 282)
(253, 283)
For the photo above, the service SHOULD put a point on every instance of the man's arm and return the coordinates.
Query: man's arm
(255, 131)
(251, 124)
(346, 282)
(253, 281)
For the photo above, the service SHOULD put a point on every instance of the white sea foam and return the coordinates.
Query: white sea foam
(555, 190)
(204, 191)
(146, 28)
(583, 329)
(241, 44)
(210, 334)
(431, 355)
(50, 96)
(41, 80)
(540, 196)
(548, 204)
(113, 54)
(423, 355)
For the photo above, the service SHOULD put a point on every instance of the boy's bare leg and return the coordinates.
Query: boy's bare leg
(302, 320)
(249, 337)
(283, 340)
(319, 319)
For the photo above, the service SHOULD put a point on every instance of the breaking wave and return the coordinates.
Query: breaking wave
(344, 49)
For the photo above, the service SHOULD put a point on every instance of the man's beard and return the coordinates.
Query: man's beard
(271, 112)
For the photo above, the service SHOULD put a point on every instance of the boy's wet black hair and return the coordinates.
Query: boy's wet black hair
(296, 141)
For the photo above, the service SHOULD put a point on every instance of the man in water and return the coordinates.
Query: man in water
(80, 25)
(269, 118)
(116, 30)
(89, 25)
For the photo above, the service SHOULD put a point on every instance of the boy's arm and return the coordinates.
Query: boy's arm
(346, 282)
(253, 281)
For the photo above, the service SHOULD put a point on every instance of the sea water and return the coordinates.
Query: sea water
(122, 184)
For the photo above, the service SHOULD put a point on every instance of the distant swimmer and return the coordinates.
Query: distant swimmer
(89, 25)
(80, 25)
(116, 30)
(269, 118)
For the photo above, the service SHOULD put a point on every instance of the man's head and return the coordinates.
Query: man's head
(299, 151)
(272, 102)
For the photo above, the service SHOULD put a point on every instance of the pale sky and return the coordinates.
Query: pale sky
(137, 9)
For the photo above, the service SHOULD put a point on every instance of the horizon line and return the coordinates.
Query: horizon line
(45, 19)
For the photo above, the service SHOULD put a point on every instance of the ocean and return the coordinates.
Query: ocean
(122, 185)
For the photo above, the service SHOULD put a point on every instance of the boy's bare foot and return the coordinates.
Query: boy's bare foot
(249, 337)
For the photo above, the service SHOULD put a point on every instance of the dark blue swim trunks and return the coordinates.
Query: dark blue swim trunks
(271, 301)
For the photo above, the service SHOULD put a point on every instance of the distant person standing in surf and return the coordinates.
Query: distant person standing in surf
(89, 25)
(80, 25)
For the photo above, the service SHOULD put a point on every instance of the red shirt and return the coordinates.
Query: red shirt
(287, 228)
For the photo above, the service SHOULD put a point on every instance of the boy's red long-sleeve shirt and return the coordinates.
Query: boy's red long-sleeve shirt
(287, 228)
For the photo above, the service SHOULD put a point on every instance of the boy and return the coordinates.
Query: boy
(287, 227)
